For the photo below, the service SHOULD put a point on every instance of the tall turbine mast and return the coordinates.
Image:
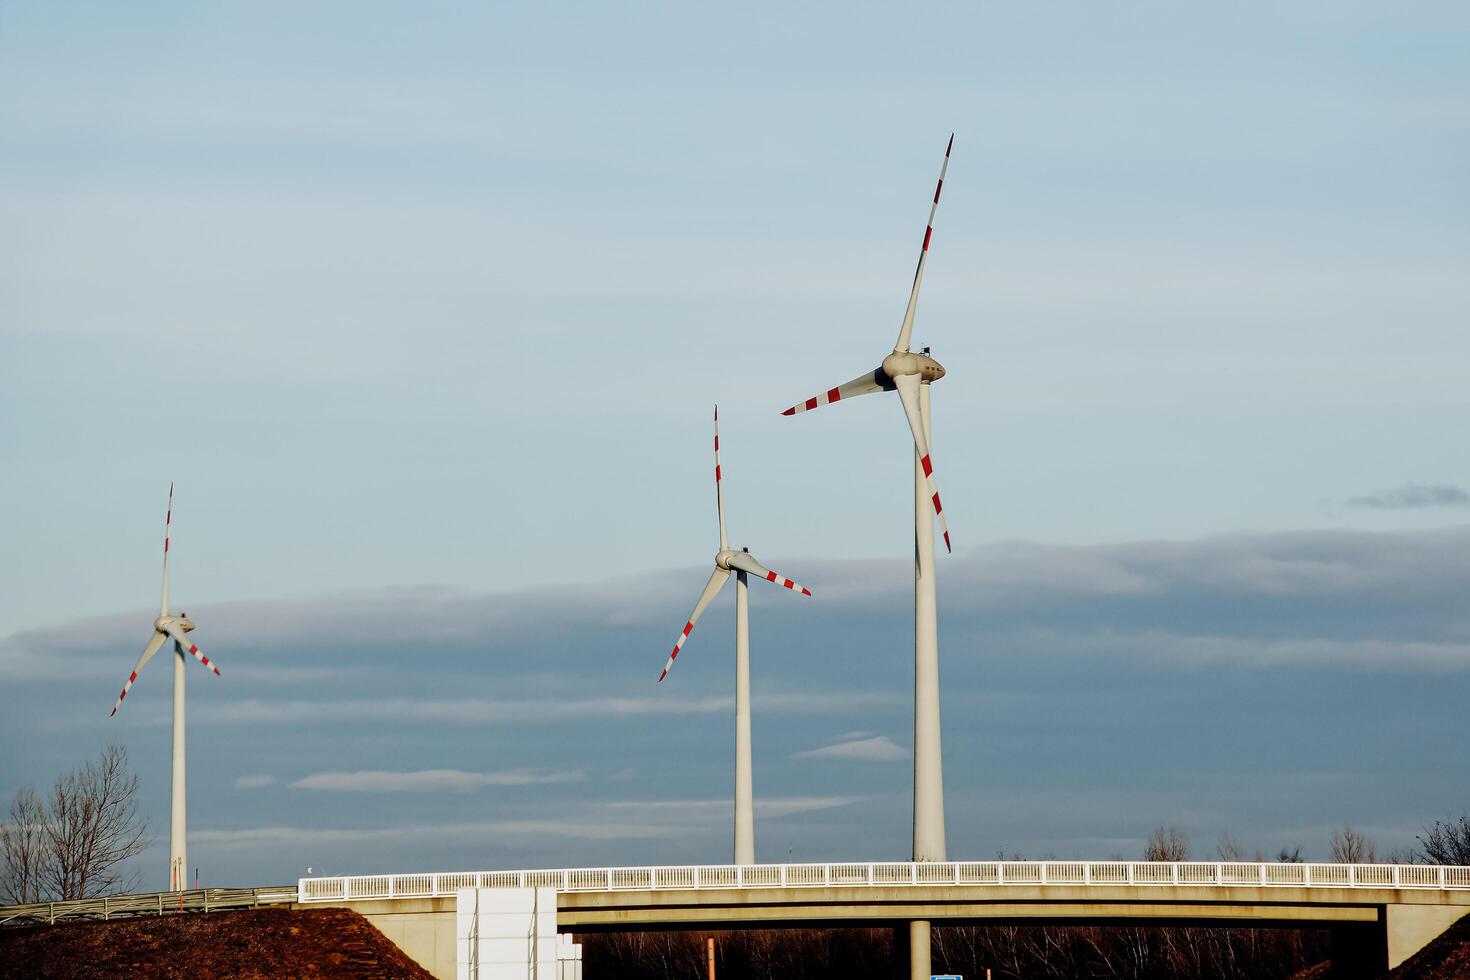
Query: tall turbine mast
(169, 627)
(741, 563)
(911, 375)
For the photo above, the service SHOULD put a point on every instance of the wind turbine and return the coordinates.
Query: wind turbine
(168, 627)
(741, 563)
(911, 375)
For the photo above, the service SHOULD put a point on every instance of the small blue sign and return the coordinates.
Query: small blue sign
(945, 976)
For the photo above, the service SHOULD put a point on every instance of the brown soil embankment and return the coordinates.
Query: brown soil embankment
(322, 944)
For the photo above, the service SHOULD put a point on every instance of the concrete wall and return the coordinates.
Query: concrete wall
(421, 927)
(1412, 927)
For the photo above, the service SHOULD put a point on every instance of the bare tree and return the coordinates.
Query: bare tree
(76, 842)
(1227, 848)
(1351, 846)
(1447, 842)
(1166, 844)
(1292, 856)
(23, 850)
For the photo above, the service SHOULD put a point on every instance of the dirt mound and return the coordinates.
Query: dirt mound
(252, 944)
(1447, 958)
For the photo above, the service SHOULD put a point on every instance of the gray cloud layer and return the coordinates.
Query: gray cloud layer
(1301, 678)
(1152, 599)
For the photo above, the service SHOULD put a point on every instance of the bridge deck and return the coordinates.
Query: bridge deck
(958, 874)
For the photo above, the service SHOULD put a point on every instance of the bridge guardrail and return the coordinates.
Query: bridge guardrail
(152, 903)
(1222, 874)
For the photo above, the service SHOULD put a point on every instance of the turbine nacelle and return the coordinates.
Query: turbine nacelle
(723, 559)
(180, 622)
(901, 363)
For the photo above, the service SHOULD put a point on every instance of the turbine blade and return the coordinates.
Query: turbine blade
(719, 485)
(746, 562)
(168, 521)
(188, 647)
(865, 384)
(154, 642)
(906, 331)
(908, 393)
(716, 582)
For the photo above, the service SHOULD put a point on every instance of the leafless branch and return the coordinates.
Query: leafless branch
(23, 850)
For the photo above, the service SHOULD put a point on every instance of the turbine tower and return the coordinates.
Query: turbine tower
(911, 375)
(168, 627)
(742, 563)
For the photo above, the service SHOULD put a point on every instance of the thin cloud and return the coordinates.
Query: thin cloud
(458, 711)
(487, 711)
(255, 781)
(1181, 649)
(772, 807)
(879, 748)
(1414, 495)
(278, 838)
(429, 780)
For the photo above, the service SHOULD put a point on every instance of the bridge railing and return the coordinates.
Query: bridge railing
(1190, 874)
(151, 903)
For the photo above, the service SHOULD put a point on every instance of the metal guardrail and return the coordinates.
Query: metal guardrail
(1191, 874)
(152, 903)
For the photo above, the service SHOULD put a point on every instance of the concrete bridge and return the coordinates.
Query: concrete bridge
(1380, 914)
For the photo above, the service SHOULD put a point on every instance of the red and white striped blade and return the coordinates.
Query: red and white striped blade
(188, 647)
(908, 393)
(866, 384)
(168, 521)
(746, 562)
(716, 582)
(905, 332)
(154, 642)
(719, 484)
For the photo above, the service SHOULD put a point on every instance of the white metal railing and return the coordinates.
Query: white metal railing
(151, 903)
(1185, 874)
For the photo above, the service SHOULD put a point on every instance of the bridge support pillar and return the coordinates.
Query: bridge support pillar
(911, 951)
(1412, 927)
(919, 948)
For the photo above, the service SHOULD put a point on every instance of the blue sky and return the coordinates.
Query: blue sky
(427, 306)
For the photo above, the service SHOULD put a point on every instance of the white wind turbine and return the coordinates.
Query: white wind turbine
(742, 563)
(911, 375)
(168, 627)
